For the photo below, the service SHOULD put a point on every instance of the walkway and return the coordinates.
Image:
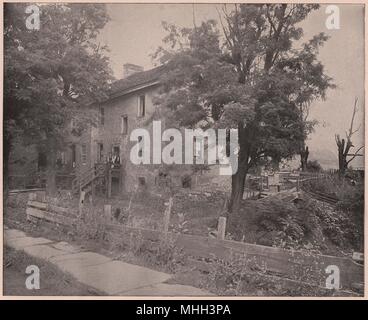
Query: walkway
(100, 272)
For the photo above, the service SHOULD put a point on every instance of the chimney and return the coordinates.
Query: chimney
(130, 68)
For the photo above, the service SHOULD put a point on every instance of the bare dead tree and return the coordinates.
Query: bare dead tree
(344, 146)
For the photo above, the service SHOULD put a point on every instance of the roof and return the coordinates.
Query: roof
(136, 81)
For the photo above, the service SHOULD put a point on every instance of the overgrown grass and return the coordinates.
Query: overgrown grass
(239, 277)
(347, 224)
(53, 282)
(310, 224)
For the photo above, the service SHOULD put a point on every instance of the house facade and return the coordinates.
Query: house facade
(130, 105)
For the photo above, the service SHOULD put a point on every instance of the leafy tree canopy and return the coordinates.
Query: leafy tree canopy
(252, 73)
(53, 73)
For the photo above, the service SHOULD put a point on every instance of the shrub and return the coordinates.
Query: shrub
(314, 166)
(274, 222)
(91, 225)
(344, 224)
(166, 255)
(225, 277)
(308, 224)
(241, 275)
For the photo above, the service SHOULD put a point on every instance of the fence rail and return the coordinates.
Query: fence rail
(291, 265)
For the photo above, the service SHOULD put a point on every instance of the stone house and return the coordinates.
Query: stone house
(130, 105)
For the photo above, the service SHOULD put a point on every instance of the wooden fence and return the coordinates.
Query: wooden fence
(292, 267)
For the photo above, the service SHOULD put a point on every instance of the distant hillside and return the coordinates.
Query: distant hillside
(329, 160)
(326, 158)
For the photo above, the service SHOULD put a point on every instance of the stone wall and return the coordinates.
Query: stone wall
(110, 136)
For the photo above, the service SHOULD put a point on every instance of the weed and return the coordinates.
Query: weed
(165, 254)
(91, 225)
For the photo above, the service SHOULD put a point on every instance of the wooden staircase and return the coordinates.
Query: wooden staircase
(85, 181)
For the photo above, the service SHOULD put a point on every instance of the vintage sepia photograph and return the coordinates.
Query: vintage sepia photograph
(183, 149)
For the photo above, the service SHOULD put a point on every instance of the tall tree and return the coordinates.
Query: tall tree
(344, 146)
(304, 154)
(253, 74)
(52, 75)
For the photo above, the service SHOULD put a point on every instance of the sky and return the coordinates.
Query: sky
(135, 32)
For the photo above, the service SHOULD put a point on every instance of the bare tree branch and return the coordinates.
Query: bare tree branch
(351, 131)
(355, 154)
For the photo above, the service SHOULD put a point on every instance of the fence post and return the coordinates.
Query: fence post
(221, 228)
(167, 215)
(261, 186)
(297, 183)
(107, 211)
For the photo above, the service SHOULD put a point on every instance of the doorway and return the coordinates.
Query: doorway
(116, 150)
(100, 154)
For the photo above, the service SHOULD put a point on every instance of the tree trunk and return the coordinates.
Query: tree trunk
(238, 179)
(237, 188)
(341, 157)
(342, 164)
(7, 149)
(51, 170)
(304, 158)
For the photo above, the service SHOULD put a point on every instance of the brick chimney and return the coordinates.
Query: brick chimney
(130, 68)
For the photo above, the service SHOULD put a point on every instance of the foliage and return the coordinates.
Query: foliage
(91, 225)
(167, 254)
(306, 224)
(181, 226)
(163, 254)
(226, 276)
(54, 74)
(314, 166)
(254, 78)
(53, 280)
(240, 276)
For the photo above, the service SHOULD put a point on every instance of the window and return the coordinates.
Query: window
(102, 116)
(141, 106)
(84, 154)
(60, 159)
(124, 124)
(42, 160)
(116, 150)
(141, 181)
(99, 152)
(198, 148)
(73, 124)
